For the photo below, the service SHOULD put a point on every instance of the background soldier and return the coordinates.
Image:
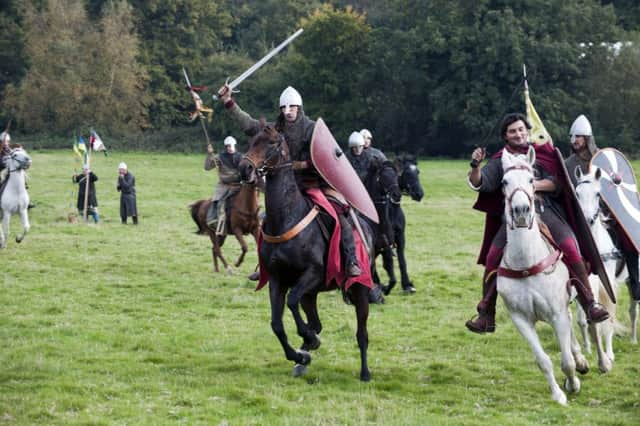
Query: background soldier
(228, 177)
(583, 147)
(357, 156)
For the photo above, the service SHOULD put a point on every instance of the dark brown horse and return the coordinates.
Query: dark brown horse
(241, 219)
(386, 186)
(297, 266)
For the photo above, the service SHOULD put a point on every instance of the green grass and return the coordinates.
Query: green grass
(112, 324)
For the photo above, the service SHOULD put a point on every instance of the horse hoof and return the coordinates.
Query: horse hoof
(385, 289)
(19, 240)
(299, 370)
(582, 368)
(572, 386)
(312, 345)
(409, 290)
(306, 357)
(365, 376)
(560, 398)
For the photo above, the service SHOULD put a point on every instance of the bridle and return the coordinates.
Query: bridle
(22, 161)
(593, 217)
(273, 160)
(406, 188)
(509, 197)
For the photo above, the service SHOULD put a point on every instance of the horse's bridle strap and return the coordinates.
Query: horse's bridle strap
(534, 270)
(293, 231)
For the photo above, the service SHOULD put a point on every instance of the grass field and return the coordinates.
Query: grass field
(113, 324)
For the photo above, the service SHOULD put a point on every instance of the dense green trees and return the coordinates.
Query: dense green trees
(429, 76)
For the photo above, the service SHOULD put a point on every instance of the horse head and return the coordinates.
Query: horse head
(588, 193)
(17, 159)
(409, 177)
(518, 190)
(267, 151)
(382, 184)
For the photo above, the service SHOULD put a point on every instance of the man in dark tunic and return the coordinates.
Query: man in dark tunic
(228, 178)
(358, 157)
(127, 188)
(583, 147)
(92, 203)
(297, 130)
(488, 182)
(371, 150)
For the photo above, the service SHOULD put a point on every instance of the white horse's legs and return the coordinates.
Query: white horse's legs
(604, 363)
(562, 327)
(582, 365)
(24, 218)
(528, 331)
(633, 316)
(6, 218)
(581, 319)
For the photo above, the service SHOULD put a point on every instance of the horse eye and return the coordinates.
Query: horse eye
(504, 182)
(531, 180)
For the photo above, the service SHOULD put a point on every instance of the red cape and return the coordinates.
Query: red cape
(334, 272)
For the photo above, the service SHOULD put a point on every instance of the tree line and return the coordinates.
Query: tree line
(431, 77)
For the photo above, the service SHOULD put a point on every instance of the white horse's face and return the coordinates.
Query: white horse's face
(18, 159)
(518, 190)
(588, 193)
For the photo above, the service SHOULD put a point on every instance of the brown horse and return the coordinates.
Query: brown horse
(241, 219)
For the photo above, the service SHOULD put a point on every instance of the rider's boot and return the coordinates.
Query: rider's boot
(212, 215)
(486, 320)
(580, 281)
(135, 219)
(348, 246)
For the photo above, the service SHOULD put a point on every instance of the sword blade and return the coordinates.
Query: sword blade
(262, 61)
(186, 77)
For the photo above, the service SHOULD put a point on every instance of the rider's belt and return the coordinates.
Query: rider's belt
(293, 231)
(300, 165)
(534, 270)
(330, 192)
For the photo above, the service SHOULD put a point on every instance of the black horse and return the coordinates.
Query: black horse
(296, 266)
(386, 185)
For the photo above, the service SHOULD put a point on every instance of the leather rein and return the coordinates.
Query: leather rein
(267, 165)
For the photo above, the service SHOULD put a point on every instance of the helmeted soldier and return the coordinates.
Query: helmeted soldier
(228, 177)
(487, 181)
(357, 156)
(583, 147)
(297, 130)
(373, 151)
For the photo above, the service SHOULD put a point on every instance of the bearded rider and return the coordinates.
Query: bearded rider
(583, 147)
(297, 130)
(228, 177)
(487, 181)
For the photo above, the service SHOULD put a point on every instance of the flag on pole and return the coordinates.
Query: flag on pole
(76, 149)
(82, 146)
(96, 143)
(538, 133)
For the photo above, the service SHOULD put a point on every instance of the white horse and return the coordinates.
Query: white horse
(588, 191)
(15, 199)
(531, 279)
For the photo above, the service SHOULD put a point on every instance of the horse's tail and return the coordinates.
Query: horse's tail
(195, 206)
